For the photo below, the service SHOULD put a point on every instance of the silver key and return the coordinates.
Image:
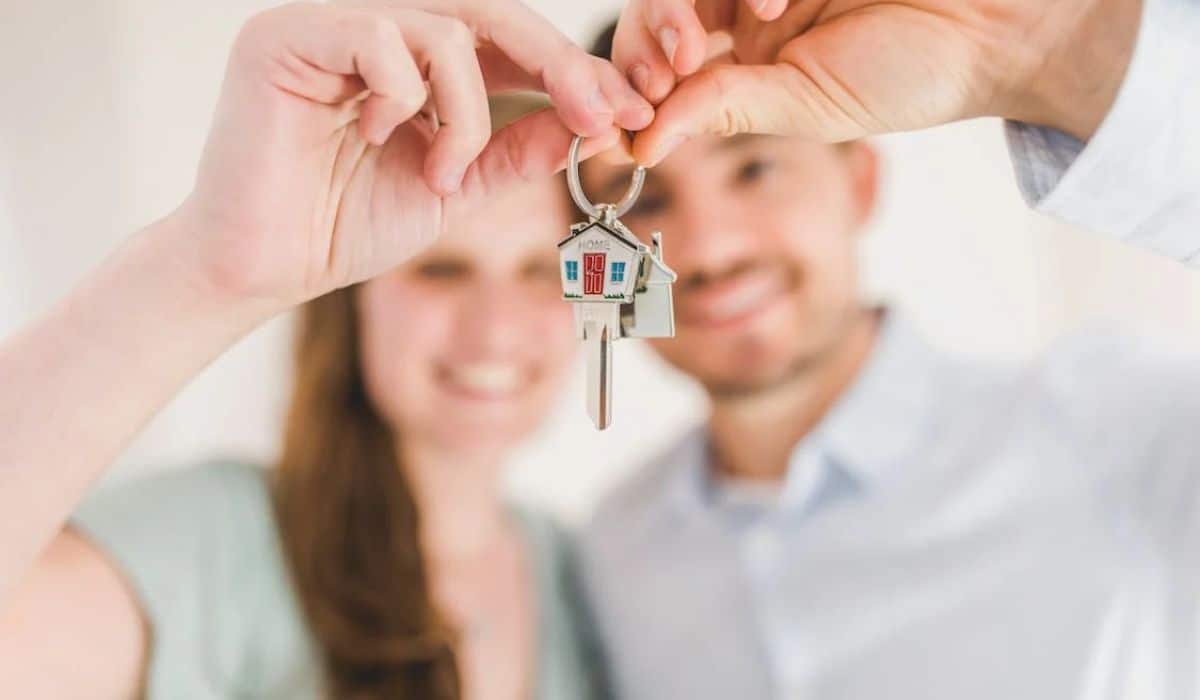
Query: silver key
(621, 288)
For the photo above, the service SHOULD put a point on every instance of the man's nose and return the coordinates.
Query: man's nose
(713, 233)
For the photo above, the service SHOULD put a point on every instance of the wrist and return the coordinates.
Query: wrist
(1076, 84)
(170, 256)
(210, 267)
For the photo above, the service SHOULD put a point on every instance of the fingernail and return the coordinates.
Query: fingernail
(452, 182)
(639, 76)
(761, 5)
(598, 105)
(380, 136)
(645, 116)
(669, 38)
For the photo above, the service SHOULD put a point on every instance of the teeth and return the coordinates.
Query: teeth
(489, 378)
(744, 298)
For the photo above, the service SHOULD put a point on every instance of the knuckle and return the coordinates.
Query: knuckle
(260, 25)
(602, 69)
(457, 34)
(374, 30)
(412, 99)
(730, 120)
(573, 72)
(514, 156)
(262, 32)
(476, 137)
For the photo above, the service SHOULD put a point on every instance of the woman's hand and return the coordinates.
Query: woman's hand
(841, 69)
(319, 172)
(346, 133)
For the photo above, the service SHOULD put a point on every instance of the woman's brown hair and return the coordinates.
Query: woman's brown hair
(349, 523)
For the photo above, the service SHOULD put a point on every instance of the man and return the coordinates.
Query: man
(1102, 95)
(297, 76)
(865, 517)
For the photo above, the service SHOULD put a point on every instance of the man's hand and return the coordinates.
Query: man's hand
(842, 69)
(348, 133)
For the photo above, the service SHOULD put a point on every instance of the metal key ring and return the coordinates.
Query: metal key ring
(581, 200)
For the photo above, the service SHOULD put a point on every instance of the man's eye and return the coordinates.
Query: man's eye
(754, 171)
(649, 206)
(442, 270)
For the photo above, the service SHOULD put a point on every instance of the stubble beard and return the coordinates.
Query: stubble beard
(807, 362)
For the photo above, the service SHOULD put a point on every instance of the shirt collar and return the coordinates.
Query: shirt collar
(876, 424)
(885, 414)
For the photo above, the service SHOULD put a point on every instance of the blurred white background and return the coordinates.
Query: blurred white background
(105, 109)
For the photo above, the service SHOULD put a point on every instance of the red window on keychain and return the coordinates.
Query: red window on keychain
(593, 273)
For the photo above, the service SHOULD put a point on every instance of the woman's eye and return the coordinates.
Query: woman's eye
(542, 271)
(753, 170)
(442, 270)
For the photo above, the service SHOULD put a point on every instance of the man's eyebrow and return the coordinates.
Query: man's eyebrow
(737, 142)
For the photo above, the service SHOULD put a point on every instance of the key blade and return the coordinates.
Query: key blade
(599, 373)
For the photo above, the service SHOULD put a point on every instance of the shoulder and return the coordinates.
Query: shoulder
(211, 480)
(169, 525)
(193, 502)
(1131, 376)
(200, 549)
(1108, 402)
(179, 535)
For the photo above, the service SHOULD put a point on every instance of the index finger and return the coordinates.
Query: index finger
(589, 97)
(531, 149)
(768, 10)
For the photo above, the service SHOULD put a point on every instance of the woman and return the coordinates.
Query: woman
(377, 561)
(380, 544)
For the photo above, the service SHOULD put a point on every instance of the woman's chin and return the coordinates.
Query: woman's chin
(493, 428)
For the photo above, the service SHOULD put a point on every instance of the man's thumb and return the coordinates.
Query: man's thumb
(730, 99)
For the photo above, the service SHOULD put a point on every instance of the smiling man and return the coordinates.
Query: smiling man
(863, 516)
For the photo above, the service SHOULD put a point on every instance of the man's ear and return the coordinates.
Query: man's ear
(863, 159)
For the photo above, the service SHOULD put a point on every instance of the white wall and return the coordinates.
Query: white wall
(105, 107)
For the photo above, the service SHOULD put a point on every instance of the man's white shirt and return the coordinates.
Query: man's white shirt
(1138, 178)
(951, 530)
(948, 531)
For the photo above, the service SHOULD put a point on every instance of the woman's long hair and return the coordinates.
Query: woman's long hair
(349, 523)
(351, 528)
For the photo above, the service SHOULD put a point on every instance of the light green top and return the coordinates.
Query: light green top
(201, 550)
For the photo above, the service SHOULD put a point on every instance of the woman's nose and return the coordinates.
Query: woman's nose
(494, 317)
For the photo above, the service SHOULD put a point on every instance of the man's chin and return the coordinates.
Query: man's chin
(751, 367)
(738, 385)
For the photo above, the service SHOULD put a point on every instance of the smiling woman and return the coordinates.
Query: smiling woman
(378, 560)
(410, 390)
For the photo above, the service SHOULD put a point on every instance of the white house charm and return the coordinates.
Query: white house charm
(621, 288)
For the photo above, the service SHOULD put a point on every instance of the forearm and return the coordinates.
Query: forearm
(1137, 176)
(1074, 85)
(81, 382)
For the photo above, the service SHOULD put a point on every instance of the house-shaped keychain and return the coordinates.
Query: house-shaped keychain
(620, 289)
(604, 263)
